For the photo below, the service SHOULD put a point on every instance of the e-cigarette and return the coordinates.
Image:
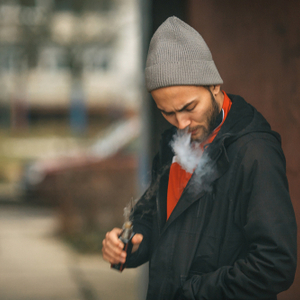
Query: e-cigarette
(125, 237)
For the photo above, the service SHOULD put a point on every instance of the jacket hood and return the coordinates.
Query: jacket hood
(243, 119)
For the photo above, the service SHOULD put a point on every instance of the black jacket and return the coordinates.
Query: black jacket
(233, 239)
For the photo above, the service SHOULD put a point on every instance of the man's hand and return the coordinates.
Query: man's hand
(112, 247)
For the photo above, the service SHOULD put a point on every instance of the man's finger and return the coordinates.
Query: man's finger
(112, 247)
(136, 241)
(137, 238)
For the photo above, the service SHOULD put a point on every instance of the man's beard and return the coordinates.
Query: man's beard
(211, 121)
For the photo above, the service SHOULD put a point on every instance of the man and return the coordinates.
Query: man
(223, 227)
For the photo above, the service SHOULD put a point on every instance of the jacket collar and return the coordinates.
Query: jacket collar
(193, 191)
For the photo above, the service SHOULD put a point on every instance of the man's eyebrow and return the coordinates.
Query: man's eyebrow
(186, 106)
(179, 110)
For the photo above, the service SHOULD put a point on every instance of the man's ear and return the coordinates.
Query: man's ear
(215, 89)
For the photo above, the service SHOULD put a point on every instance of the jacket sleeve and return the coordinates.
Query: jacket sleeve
(142, 219)
(269, 227)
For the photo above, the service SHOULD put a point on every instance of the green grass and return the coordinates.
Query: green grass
(89, 242)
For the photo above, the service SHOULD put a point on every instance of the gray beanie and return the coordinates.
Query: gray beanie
(178, 55)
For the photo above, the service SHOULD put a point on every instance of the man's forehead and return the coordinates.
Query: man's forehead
(174, 99)
(178, 93)
(178, 89)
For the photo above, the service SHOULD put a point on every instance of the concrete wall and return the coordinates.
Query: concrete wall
(256, 47)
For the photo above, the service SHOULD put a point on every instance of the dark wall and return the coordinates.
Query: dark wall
(256, 47)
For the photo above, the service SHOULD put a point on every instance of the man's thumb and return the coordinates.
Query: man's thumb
(137, 238)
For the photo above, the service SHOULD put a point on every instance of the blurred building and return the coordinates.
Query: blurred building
(51, 49)
(66, 61)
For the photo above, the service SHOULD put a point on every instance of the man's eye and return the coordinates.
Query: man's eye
(190, 109)
(167, 113)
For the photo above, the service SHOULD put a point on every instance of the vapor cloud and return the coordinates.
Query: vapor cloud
(188, 154)
(191, 158)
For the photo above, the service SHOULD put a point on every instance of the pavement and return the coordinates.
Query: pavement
(36, 265)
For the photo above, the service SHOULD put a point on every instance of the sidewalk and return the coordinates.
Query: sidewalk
(34, 265)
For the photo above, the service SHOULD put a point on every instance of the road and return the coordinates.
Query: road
(36, 265)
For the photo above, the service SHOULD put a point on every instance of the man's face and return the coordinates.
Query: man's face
(192, 107)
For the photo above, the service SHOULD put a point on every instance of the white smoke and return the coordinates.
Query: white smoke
(204, 174)
(128, 209)
(187, 153)
(191, 158)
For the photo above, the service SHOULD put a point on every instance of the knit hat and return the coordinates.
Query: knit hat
(178, 55)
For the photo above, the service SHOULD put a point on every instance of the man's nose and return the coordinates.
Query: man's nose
(182, 121)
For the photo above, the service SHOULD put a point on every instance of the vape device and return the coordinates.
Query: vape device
(125, 237)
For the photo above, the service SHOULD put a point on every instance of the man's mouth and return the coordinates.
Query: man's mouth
(193, 131)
